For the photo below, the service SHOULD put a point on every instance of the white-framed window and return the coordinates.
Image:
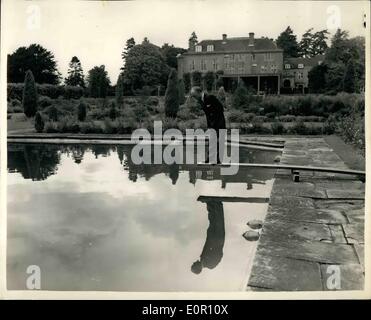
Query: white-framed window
(300, 66)
(215, 64)
(273, 68)
(263, 68)
(287, 66)
(210, 47)
(300, 75)
(198, 48)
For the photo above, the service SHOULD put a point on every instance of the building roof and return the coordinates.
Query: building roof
(311, 62)
(239, 44)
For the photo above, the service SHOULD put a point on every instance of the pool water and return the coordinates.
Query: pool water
(92, 220)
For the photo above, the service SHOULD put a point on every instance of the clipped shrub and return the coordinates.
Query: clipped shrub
(81, 111)
(39, 122)
(112, 111)
(29, 100)
(181, 89)
(172, 95)
(240, 97)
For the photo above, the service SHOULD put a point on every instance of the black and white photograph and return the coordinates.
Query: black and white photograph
(192, 146)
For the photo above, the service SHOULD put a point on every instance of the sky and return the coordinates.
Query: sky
(96, 31)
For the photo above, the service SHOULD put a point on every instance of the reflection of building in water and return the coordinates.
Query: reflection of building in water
(39, 161)
(36, 162)
(78, 153)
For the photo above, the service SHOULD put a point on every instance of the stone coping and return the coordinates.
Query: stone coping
(312, 227)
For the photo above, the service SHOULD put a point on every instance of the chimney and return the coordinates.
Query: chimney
(224, 36)
(251, 38)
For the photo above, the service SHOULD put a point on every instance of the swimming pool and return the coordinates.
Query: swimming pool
(92, 220)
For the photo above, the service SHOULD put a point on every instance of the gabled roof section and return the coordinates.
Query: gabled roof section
(313, 61)
(239, 44)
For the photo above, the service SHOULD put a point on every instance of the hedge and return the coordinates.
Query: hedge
(15, 91)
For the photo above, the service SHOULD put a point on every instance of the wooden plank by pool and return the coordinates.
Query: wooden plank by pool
(233, 199)
(288, 167)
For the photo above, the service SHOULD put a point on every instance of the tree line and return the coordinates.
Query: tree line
(146, 67)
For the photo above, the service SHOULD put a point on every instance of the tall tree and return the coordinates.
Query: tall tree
(170, 53)
(193, 37)
(287, 41)
(172, 95)
(29, 100)
(339, 50)
(305, 44)
(349, 81)
(75, 74)
(319, 42)
(317, 79)
(129, 44)
(145, 66)
(35, 58)
(98, 82)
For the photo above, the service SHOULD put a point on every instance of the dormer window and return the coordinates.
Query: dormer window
(198, 48)
(300, 66)
(287, 66)
(210, 47)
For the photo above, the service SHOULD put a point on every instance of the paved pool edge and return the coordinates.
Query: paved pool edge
(314, 229)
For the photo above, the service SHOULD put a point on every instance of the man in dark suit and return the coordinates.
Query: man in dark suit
(213, 109)
(212, 252)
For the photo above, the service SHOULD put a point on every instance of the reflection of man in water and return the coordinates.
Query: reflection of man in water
(212, 252)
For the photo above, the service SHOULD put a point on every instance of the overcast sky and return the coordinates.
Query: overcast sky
(96, 31)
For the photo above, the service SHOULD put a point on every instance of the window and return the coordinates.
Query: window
(253, 57)
(300, 66)
(192, 65)
(215, 64)
(273, 68)
(210, 47)
(203, 64)
(198, 48)
(268, 56)
(319, 62)
(263, 68)
(287, 66)
(300, 75)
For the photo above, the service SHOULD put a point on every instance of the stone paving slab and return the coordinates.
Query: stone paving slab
(284, 274)
(297, 230)
(311, 215)
(316, 251)
(311, 224)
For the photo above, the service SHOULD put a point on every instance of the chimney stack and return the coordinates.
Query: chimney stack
(251, 38)
(224, 36)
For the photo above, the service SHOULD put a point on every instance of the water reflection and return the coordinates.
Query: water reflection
(97, 221)
(39, 161)
(212, 251)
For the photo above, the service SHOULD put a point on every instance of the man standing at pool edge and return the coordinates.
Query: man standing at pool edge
(213, 109)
